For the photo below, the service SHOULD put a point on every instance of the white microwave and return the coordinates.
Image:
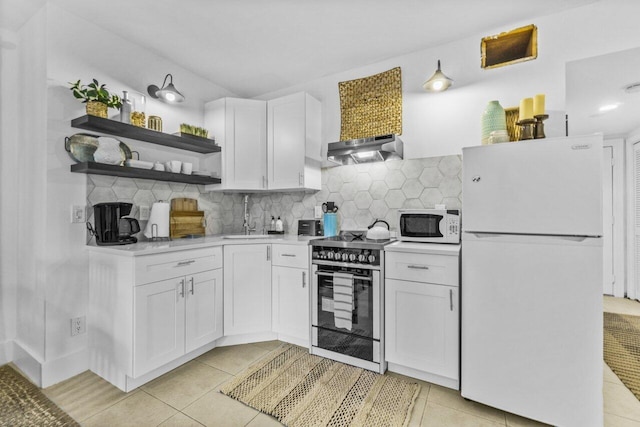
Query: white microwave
(429, 225)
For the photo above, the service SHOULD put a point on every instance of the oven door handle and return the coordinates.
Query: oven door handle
(356, 277)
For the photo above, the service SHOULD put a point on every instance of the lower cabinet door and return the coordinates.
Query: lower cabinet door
(290, 288)
(247, 289)
(158, 324)
(203, 308)
(421, 326)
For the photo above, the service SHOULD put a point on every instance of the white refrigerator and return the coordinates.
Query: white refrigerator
(532, 279)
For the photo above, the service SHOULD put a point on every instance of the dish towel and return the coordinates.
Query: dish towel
(342, 300)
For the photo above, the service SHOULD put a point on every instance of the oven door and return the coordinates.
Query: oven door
(346, 321)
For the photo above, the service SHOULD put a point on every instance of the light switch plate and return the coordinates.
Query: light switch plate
(317, 213)
(78, 214)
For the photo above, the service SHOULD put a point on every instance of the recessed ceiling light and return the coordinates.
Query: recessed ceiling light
(608, 107)
(632, 88)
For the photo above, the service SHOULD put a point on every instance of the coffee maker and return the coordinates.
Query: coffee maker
(112, 226)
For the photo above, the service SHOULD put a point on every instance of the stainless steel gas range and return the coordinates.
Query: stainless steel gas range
(347, 299)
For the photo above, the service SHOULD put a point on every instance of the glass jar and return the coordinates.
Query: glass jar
(138, 110)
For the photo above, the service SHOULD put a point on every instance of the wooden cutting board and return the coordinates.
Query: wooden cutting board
(185, 218)
(187, 223)
(184, 204)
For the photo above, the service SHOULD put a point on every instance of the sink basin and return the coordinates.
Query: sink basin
(250, 236)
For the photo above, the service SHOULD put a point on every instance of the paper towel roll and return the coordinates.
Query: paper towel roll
(160, 217)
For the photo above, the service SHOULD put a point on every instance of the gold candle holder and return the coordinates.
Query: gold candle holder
(527, 126)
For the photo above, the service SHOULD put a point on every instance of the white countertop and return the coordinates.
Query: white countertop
(424, 248)
(148, 248)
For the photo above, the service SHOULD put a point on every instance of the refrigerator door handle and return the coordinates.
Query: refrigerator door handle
(481, 235)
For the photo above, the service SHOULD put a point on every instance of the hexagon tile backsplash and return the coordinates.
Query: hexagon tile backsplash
(362, 192)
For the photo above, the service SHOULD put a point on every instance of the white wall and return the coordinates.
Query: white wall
(8, 191)
(31, 172)
(442, 123)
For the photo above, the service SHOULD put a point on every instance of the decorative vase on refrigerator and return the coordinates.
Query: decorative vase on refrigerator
(493, 119)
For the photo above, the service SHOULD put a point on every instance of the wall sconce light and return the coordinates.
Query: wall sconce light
(438, 82)
(168, 93)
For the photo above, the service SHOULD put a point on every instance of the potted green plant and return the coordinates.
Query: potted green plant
(96, 96)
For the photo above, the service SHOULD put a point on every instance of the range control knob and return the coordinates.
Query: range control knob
(345, 257)
(362, 258)
(371, 258)
(353, 257)
(330, 254)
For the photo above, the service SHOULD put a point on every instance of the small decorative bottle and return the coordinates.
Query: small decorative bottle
(125, 109)
(493, 118)
(273, 224)
(279, 226)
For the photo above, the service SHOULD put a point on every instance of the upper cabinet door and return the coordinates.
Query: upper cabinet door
(286, 141)
(239, 127)
(293, 138)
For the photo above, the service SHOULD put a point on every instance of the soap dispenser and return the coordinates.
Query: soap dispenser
(279, 226)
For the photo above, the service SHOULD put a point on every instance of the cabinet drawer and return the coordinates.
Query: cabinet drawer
(439, 269)
(291, 255)
(152, 268)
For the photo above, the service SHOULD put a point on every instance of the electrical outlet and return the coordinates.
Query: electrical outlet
(317, 213)
(78, 214)
(144, 213)
(78, 325)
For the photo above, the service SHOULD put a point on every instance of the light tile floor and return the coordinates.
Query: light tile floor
(188, 396)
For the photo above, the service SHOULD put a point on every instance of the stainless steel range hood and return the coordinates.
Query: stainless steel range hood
(365, 150)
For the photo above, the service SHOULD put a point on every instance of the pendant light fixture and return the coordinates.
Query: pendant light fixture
(438, 82)
(168, 93)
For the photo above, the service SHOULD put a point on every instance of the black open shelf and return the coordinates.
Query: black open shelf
(129, 172)
(113, 127)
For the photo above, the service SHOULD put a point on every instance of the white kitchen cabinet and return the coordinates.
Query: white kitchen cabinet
(149, 314)
(266, 145)
(422, 311)
(290, 287)
(293, 138)
(239, 127)
(247, 289)
(175, 316)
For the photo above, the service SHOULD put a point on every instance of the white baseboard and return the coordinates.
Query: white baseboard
(6, 352)
(64, 367)
(27, 363)
(424, 376)
(294, 340)
(246, 338)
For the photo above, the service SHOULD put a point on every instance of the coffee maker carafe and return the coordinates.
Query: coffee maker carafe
(112, 226)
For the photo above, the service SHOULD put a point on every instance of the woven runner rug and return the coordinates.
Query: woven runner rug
(23, 404)
(302, 390)
(622, 348)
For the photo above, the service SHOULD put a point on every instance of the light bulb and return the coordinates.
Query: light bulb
(170, 97)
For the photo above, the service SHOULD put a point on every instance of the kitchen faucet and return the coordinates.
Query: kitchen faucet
(245, 225)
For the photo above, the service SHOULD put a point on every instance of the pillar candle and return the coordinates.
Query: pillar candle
(538, 104)
(526, 108)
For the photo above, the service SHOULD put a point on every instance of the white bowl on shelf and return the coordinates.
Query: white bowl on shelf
(138, 164)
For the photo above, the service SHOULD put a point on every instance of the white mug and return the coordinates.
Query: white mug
(173, 166)
(187, 168)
